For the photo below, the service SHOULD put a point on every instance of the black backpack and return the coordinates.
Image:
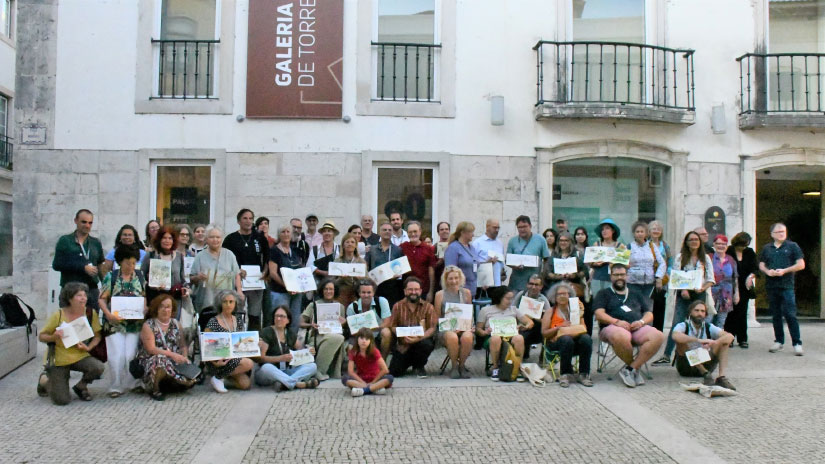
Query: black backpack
(13, 313)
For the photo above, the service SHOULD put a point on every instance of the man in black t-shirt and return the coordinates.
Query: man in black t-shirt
(251, 249)
(624, 322)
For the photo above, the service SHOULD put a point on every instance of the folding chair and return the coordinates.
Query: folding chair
(549, 358)
(607, 355)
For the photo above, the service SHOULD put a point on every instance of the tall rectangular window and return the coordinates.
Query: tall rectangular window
(796, 83)
(407, 190)
(183, 194)
(5, 239)
(406, 50)
(4, 115)
(608, 72)
(5, 17)
(5, 141)
(187, 51)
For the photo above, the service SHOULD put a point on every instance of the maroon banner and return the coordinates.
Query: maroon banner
(295, 59)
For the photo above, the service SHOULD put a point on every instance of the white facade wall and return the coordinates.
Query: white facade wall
(275, 166)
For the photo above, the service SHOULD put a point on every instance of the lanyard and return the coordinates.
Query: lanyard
(84, 251)
(625, 295)
(468, 251)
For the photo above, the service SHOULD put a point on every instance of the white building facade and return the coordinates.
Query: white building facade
(450, 110)
(7, 77)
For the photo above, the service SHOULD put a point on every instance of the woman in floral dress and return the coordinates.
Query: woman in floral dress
(726, 291)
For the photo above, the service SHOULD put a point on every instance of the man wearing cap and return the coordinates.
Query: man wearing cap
(399, 235)
(251, 249)
(383, 253)
(526, 243)
(321, 255)
(312, 236)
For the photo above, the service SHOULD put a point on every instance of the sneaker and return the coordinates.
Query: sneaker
(638, 377)
(564, 381)
(421, 373)
(585, 380)
(356, 392)
(321, 377)
(465, 374)
(743, 345)
(454, 373)
(278, 387)
(708, 379)
(723, 382)
(217, 385)
(494, 376)
(663, 361)
(629, 379)
(380, 391)
(776, 347)
(797, 350)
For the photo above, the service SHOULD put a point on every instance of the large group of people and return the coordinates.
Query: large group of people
(206, 293)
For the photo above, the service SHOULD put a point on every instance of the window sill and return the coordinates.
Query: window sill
(781, 121)
(181, 106)
(8, 40)
(411, 109)
(616, 111)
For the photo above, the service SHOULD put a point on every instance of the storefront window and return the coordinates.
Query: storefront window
(408, 191)
(588, 190)
(5, 239)
(183, 194)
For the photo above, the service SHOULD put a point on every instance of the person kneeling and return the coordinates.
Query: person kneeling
(695, 333)
(366, 371)
(276, 343)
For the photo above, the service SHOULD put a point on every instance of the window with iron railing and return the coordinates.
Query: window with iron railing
(406, 51)
(790, 77)
(186, 53)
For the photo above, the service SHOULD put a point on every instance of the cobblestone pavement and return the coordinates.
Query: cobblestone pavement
(776, 418)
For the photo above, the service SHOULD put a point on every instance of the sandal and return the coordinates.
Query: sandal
(42, 382)
(157, 396)
(313, 383)
(83, 393)
(115, 394)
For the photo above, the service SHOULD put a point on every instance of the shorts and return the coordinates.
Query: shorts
(345, 378)
(636, 338)
(684, 368)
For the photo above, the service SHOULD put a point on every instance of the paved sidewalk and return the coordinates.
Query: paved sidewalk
(776, 418)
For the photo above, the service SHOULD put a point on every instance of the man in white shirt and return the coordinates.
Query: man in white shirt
(491, 249)
(399, 235)
(312, 236)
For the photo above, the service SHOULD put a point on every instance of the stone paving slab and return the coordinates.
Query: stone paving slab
(776, 418)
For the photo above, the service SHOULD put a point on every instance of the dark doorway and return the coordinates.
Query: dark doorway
(791, 195)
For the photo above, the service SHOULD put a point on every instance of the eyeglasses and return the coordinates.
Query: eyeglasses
(280, 316)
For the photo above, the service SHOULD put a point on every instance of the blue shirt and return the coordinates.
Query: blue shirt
(536, 246)
(780, 258)
(467, 259)
(484, 245)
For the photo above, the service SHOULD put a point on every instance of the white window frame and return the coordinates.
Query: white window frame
(153, 204)
(156, 28)
(401, 165)
(4, 122)
(436, 57)
(7, 30)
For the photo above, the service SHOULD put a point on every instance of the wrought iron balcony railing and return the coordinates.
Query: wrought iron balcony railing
(406, 72)
(781, 83)
(614, 73)
(6, 152)
(186, 68)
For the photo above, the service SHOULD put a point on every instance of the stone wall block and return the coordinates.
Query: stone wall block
(319, 186)
(118, 182)
(482, 167)
(498, 189)
(268, 186)
(118, 162)
(259, 164)
(522, 167)
(307, 164)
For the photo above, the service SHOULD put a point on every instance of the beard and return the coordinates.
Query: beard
(413, 298)
(697, 320)
(619, 284)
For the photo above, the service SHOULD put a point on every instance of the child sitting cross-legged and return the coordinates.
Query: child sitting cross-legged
(366, 372)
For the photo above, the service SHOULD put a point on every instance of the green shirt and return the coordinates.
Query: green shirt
(70, 258)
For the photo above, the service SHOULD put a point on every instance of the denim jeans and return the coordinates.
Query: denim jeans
(294, 303)
(268, 374)
(782, 303)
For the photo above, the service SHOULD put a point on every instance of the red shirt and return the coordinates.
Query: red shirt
(421, 258)
(365, 367)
